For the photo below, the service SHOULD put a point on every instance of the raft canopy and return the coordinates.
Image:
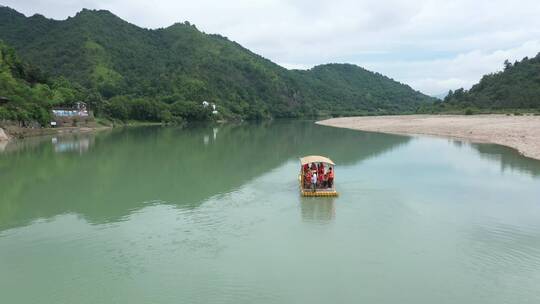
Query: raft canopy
(316, 159)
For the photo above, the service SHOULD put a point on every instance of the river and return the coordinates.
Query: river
(212, 214)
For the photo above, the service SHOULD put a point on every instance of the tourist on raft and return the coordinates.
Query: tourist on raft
(330, 179)
(314, 180)
(315, 176)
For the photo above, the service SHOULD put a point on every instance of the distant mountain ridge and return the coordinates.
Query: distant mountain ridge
(102, 52)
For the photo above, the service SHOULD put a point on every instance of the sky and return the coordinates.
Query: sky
(432, 45)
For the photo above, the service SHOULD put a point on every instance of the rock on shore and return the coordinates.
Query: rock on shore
(3, 135)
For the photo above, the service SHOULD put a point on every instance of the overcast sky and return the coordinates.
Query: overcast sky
(432, 45)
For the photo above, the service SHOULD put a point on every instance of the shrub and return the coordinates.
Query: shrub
(4, 114)
(469, 111)
(116, 108)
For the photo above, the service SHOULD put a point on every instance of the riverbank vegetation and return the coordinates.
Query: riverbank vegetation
(27, 96)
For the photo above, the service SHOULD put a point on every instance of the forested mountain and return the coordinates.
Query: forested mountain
(171, 70)
(346, 88)
(517, 87)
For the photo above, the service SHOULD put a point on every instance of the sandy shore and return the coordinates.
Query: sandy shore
(518, 132)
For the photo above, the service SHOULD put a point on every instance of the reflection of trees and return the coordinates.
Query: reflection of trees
(509, 158)
(26, 144)
(126, 168)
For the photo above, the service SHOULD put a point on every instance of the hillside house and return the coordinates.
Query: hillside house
(71, 116)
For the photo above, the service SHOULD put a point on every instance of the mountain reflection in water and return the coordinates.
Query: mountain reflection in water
(123, 169)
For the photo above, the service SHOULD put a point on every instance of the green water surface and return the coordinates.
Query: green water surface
(212, 214)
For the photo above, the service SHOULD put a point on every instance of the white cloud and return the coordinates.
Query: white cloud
(439, 75)
(432, 45)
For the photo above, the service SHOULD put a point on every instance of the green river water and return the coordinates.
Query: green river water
(212, 214)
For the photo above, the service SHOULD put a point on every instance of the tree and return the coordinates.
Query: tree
(507, 64)
(117, 108)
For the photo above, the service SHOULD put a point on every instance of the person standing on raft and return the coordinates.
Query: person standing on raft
(330, 181)
(314, 181)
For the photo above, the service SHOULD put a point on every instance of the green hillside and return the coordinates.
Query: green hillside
(171, 70)
(517, 87)
(27, 95)
(349, 88)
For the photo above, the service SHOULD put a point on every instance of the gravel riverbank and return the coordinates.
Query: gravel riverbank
(518, 132)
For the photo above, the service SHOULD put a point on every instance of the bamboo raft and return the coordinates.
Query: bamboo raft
(319, 193)
(324, 192)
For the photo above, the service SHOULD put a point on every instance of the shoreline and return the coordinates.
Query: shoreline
(10, 132)
(24, 136)
(518, 132)
(14, 133)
